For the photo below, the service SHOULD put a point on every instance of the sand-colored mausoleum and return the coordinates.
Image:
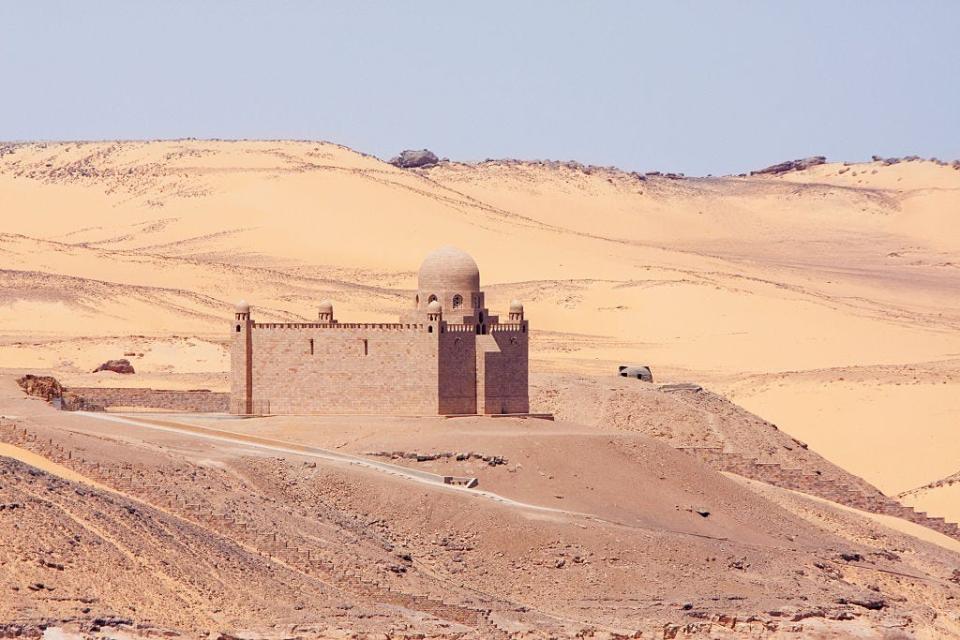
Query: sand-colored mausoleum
(447, 356)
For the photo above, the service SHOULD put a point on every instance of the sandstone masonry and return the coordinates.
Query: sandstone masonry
(446, 356)
(101, 398)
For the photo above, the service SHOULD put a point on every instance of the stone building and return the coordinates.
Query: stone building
(446, 356)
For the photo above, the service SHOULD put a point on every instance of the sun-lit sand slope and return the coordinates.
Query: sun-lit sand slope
(574, 531)
(826, 300)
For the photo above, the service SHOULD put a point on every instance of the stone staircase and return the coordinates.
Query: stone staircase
(858, 495)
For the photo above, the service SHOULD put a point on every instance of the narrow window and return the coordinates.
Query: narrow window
(311, 346)
(481, 317)
(365, 347)
(430, 329)
(238, 328)
(457, 301)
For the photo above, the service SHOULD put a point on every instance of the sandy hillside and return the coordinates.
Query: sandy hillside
(826, 300)
(238, 534)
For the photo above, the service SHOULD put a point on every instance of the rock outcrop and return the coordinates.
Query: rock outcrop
(46, 387)
(413, 159)
(117, 366)
(792, 165)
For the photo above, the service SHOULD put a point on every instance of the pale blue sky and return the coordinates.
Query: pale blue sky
(698, 87)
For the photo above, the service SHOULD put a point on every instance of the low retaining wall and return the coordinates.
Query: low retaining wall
(102, 398)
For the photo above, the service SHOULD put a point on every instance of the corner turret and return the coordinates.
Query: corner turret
(516, 311)
(241, 360)
(326, 312)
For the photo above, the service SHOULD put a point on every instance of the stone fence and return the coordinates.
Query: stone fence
(102, 398)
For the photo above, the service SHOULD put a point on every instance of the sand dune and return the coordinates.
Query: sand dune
(764, 287)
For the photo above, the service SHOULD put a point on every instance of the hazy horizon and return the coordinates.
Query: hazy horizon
(686, 87)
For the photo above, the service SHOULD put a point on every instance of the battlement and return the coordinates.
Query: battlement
(460, 328)
(386, 326)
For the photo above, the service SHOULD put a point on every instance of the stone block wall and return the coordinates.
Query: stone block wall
(342, 368)
(457, 371)
(199, 401)
(502, 370)
(411, 368)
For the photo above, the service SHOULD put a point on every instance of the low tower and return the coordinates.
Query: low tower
(516, 311)
(434, 311)
(241, 360)
(326, 312)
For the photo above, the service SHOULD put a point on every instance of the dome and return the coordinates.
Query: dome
(516, 306)
(433, 307)
(326, 306)
(243, 307)
(448, 269)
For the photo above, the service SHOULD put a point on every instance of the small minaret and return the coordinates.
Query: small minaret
(326, 312)
(434, 311)
(434, 316)
(241, 360)
(516, 311)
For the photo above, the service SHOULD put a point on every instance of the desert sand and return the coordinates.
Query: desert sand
(303, 527)
(771, 288)
(824, 300)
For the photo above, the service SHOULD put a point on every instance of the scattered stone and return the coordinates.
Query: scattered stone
(740, 565)
(493, 461)
(680, 386)
(808, 613)
(412, 159)
(874, 604)
(51, 565)
(886, 161)
(117, 366)
(46, 387)
(791, 165)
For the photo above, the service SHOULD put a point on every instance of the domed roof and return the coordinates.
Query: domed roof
(433, 307)
(243, 307)
(326, 306)
(516, 306)
(448, 269)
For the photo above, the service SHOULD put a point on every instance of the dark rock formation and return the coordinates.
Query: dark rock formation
(46, 387)
(412, 159)
(792, 165)
(117, 366)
